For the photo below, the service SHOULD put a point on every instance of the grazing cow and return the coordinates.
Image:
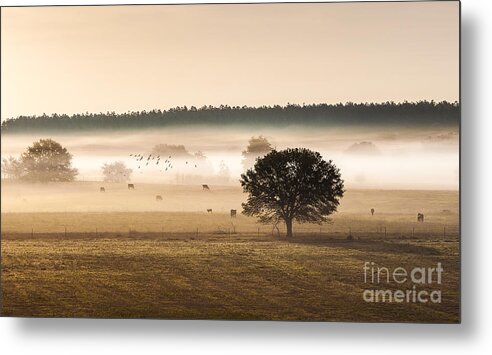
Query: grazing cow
(209, 210)
(131, 187)
(233, 213)
(420, 217)
(102, 189)
(158, 198)
(205, 187)
(372, 211)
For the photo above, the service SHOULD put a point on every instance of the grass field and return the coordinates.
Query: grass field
(155, 264)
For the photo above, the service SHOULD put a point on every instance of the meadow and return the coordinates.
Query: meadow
(123, 254)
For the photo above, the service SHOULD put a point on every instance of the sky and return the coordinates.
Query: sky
(124, 58)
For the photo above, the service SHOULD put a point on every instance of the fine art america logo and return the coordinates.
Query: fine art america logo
(385, 283)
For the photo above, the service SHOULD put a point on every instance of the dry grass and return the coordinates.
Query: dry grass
(216, 277)
(163, 269)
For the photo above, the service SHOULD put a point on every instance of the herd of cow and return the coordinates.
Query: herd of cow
(159, 197)
(420, 216)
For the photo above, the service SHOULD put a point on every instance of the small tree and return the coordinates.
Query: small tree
(257, 147)
(46, 160)
(11, 168)
(204, 166)
(224, 174)
(116, 172)
(292, 184)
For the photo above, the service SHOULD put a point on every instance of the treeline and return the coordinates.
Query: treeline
(408, 114)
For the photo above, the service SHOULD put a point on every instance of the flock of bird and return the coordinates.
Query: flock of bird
(144, 161)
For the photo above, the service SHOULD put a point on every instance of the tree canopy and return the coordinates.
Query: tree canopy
(176, 151)
(292, 185)
(46, 160)
(116, 172)
(380, 114)
(257, 147)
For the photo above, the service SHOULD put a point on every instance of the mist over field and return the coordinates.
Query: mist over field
(368, 158)
(184, 256)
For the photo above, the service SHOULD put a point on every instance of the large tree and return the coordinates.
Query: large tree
(116, 172)
(46, 160)
(292, 185)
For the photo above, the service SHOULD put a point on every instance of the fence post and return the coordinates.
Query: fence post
(444, 232)
(385, 231)
(32, 232)
(413, 232)
(258, 231)
(96, 233)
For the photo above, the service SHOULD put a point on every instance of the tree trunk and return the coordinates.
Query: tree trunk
(288, 225)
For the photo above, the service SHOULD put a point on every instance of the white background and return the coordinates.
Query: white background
(77, 336)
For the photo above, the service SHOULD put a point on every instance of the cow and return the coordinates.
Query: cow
(205, 187)
(420, 217)
(233, 213)
(372, 211)
(209, 210)
(102, 189)
(158, 198)
(131, 187)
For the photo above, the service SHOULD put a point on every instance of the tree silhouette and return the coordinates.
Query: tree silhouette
(116, 172)
(257, 147)
(46, 160)
(292, 185)
(401, 114)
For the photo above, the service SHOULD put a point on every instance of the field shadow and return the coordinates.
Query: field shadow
(370, 245)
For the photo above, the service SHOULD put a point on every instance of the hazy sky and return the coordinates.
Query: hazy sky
(78, 59)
